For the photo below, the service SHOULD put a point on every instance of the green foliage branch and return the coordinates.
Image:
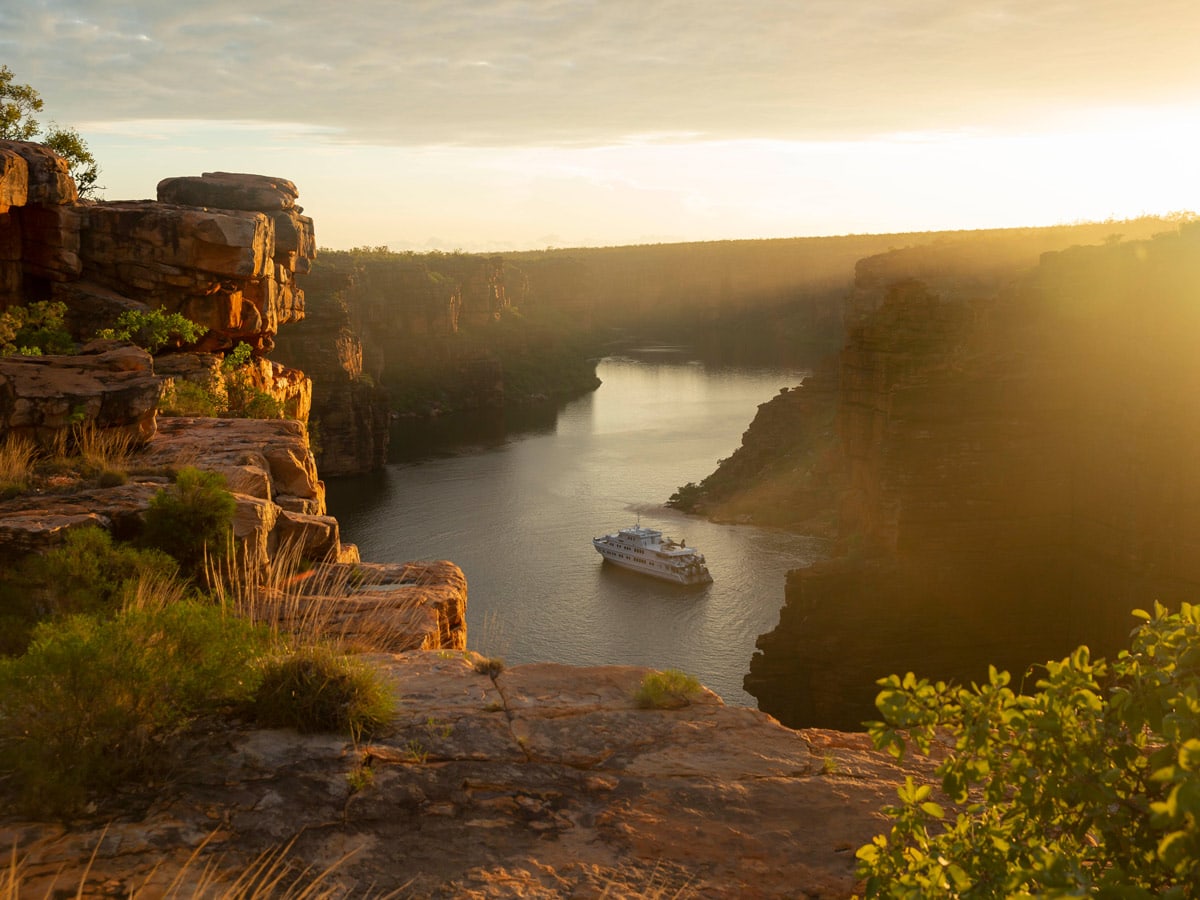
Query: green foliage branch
(35, 329)
(232, 393)
(90, 573)
(153, 329)
(19, 105)
(1088, 786)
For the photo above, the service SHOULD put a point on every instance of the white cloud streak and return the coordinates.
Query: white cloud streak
(592, 72)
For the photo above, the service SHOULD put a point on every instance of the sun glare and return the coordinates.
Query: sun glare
(1112, 164)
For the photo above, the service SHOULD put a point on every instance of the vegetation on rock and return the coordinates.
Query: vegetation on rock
(19, 104)
(34, 330)
(92, 703)
(89, 573)
(318, 689)
(229, 393)
(192, 520)
(153, 329)
(668, 689)
(1087, 786)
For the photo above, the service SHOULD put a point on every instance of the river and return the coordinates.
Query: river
(515, 501)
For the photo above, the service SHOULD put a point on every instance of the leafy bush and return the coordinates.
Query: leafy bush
(666, 690)
(153, 329)
(192, 520)
(1089, 786)
(189, 398)
(233, 394)
(90, 706)
(245, 400)
(236, 358)
(89, 573)
(317, 689)
(35, 329)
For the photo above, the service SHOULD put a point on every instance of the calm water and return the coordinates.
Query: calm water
(515, 505)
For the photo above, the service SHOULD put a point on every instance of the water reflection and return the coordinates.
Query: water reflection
(515, 500)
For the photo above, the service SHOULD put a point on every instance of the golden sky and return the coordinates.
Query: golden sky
(493, 124)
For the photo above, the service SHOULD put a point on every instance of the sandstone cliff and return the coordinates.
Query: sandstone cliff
(439, 333)
(1019, 467)
(534, 781)
(350, 410)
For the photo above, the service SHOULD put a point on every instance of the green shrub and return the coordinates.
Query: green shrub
(187, 398)
(1089, 786)
(92, 703)
(192, 520)
(669, 689)
(316, 689)
(92, 573)
(246, 401)
(237, 358)
(232, 394)
(153, 329)
(88, 573)
(35, 329)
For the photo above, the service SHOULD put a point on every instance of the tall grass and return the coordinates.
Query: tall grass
(272, 875)
(291, 595)
(103, 453)
(85, 451)
(16, 465)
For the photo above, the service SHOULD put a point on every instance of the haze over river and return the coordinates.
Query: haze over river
(516, 503)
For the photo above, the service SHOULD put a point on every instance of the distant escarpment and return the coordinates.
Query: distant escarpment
(425, 335)
(790, 470)
(1018, 466)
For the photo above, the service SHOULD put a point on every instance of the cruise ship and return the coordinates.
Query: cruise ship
(647, 551)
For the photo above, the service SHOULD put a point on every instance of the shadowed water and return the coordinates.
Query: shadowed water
(515, 503)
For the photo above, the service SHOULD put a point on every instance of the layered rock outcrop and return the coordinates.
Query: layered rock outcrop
(222, 249)
(1020, 478)
(351, 410)
(109, 384)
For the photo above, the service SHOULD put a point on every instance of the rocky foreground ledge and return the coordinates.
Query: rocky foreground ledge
(540, 781)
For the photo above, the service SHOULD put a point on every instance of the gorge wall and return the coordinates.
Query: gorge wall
(538, 780)
(401, 335)
(1018, 465)
(224, 250)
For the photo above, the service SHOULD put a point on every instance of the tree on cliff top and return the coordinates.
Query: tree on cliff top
(18, 105)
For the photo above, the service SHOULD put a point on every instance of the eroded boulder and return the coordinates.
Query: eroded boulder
(114, 386)
(229, 190)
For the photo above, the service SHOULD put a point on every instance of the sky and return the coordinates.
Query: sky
(491, 125)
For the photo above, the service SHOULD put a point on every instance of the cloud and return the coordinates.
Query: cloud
(591, 72)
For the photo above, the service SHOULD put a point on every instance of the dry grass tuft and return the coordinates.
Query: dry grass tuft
(16, 465)
(102, 450)
(272, 875)
(299, 599)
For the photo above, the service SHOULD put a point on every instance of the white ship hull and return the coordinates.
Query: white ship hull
(644, 550)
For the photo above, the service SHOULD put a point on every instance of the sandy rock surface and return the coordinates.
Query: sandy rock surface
(543, 780)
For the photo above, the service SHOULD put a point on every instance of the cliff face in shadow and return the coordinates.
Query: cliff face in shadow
(1020, 474)
(440, 333)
